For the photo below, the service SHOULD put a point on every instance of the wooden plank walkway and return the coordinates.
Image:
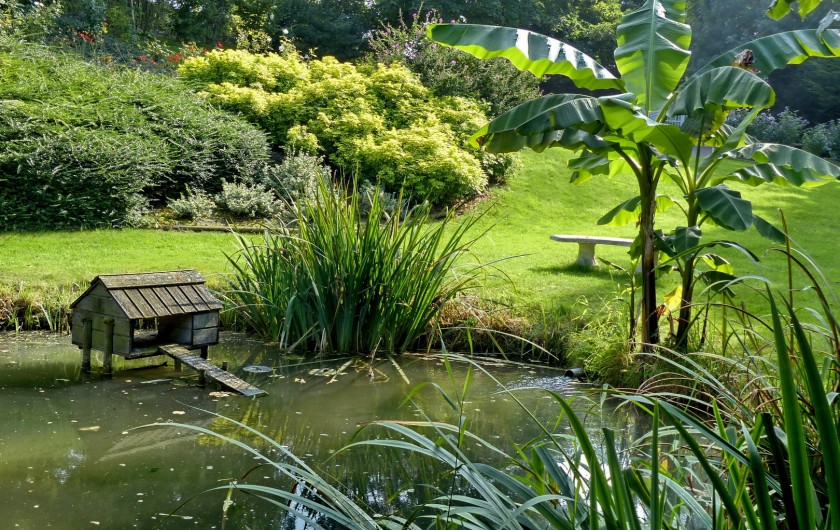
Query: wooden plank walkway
(212, 372)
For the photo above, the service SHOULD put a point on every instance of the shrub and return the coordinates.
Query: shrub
(271, 72)
(375, 120)
(823, 139)
(337, 283)
(56, 177)
(784, 128)
(197, 204)
(243, 200)
(297, 176)
(373, 197)
(424, 159)
(81, 142)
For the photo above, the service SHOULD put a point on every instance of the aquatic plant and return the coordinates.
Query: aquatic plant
(338, 281)
(772, 462)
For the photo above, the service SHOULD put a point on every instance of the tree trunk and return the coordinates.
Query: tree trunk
(686, 299)
(650, 318)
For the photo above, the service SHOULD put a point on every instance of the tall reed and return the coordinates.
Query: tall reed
(338, 281)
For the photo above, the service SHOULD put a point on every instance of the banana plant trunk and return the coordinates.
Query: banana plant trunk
(650, 317)
(684, 319)
(687, 297)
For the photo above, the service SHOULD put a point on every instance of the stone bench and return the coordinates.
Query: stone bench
(586, 246)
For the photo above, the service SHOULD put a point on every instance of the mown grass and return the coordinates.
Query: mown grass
(539, 278)
(542, 201)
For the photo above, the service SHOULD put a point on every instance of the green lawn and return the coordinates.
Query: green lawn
(41, 262)
(539, 202)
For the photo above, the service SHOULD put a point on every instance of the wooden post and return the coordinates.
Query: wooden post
(87, 340)
(204, 352)
(225, 366)
(202, 378)
(177, 365)
(107, 365)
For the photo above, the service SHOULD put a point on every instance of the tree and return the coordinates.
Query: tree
(629, 131)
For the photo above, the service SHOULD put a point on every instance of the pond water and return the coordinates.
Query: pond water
(73, 455)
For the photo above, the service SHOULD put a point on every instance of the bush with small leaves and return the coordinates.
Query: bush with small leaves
(823, 139)
(271, 72)
(196, 204)
(785, 128)
(299, 175)
(243, 200)
(372, 197)
(378, 121)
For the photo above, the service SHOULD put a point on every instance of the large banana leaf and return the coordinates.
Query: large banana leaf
(787, 156)
(543, 122)
(732, 139)
(706, 100)
(766, 229)
(630, 122)
(780, 8)
(588, 164)
(528, 51)
(762, 173)
(782, 164)
(726, 207)
(782, 49)
(726, 86)
(628, 211)
(652, 52)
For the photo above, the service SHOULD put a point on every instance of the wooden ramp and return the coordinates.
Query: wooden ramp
(211, 372)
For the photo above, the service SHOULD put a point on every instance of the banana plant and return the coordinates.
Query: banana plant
(655, 123)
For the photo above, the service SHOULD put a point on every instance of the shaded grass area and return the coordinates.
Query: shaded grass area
(536, 276)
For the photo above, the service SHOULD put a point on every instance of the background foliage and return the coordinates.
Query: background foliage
(89, 146)
(446, 72)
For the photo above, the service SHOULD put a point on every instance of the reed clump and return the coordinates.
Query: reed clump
(341, 277)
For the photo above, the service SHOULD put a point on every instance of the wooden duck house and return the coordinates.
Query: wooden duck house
(114, 314)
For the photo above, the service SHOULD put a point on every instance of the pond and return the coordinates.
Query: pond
(72, 454)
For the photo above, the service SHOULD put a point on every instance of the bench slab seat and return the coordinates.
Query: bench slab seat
(586, 246)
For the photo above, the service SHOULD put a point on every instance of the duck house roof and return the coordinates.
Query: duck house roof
(157, 294)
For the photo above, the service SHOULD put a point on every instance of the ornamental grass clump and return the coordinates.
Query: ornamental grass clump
(335, 280)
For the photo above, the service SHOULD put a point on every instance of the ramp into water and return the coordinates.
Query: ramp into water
(210, 371)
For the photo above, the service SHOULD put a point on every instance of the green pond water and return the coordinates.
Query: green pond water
(73, 455)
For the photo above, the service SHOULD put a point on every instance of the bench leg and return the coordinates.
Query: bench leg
(586, 255)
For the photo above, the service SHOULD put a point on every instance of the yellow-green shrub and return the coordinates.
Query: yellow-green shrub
(271, 72)
(379, 121)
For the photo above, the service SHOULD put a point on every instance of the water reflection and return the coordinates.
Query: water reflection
(71, 455)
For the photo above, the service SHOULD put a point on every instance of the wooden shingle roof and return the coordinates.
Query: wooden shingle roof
(157, 294)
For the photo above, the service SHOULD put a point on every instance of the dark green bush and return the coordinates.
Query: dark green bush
(785, 127)
(80, 143)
